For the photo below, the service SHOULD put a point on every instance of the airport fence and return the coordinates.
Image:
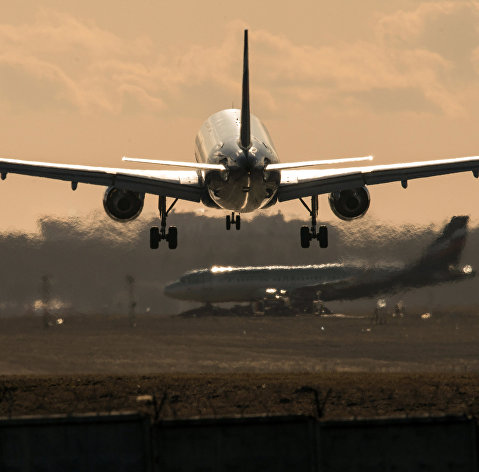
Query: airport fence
(133, 442)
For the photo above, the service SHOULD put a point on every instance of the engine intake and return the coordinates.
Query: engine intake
(350, 204)
(122, 205)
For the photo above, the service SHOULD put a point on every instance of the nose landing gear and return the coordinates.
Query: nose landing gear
(233, 220)
(159, 233)
(309, 234)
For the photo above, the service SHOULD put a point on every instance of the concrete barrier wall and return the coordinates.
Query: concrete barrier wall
(132, 443)
(119, 443)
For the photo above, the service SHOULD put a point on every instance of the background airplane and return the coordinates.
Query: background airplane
(237, 169)
(304, 285)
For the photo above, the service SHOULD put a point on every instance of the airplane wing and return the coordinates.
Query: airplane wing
(311, 291)
(303, 183)
(181, 184)
(345, 289)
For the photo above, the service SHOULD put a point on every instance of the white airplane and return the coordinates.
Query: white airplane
(237, 169)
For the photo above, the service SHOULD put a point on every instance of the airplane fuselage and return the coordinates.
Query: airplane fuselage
(244, 185)
(235, 284)
(326, 281)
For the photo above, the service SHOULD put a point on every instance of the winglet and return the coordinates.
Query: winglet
(245, 131)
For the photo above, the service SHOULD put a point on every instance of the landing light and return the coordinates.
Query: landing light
(271, 290)
(381, 303)
(467, 269)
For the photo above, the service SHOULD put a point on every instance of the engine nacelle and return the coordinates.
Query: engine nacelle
(122, 205)
(350, 204)
(208, 201)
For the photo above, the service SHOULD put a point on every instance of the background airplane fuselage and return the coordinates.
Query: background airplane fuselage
(234, 284)
(327, 281)
(245, 186)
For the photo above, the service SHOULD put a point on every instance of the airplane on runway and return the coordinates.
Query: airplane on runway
(237, 169)
(303, 286)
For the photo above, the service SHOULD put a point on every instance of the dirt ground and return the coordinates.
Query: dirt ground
(215, 366)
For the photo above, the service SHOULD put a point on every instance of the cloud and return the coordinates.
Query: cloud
(446, 28)
(81, 65)
(423, 61)
(346, 73)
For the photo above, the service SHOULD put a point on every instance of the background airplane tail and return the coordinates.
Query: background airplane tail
(445, 252)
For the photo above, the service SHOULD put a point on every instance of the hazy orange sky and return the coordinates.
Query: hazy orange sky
(88, 82)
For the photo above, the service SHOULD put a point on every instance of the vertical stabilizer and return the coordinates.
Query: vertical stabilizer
(245, 131)
(447, 249)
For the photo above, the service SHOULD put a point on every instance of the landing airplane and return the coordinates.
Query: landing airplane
(237, 169)
(304, 285)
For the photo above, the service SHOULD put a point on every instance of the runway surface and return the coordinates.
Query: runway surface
(215, 366)
(108, 345)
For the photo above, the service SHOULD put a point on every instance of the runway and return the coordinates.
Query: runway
(100, 344)
(217, 366)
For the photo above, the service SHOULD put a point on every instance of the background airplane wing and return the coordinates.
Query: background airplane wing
(351, 287)
(303, 183)
(180, 184)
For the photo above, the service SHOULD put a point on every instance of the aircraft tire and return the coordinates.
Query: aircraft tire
(172, 237)
(305, 237)
(228, 222)
(323, 236)
(238, 222)
(154, 237)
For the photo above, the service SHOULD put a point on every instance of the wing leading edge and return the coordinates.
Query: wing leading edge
(184, 185)
(304, 183)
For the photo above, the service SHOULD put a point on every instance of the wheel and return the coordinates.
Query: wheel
(228, 222)
(323, 236)
(154, 237)
(172, 237)
(238, 222)
(305, 237)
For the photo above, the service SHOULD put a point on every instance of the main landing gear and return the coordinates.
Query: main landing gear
(157, 234)
(308, 234)
(233, 220)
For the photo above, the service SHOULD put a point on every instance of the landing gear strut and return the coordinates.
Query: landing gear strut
(157, 234)
(233, 220)
(308, 234)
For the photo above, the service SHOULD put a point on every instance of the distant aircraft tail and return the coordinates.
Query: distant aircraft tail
(245, 131)
(445, 252)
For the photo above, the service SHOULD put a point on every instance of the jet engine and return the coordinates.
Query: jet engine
(350, 204)
(122, 205)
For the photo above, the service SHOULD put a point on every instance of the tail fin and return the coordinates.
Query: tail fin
(447, 249)
(245, 132)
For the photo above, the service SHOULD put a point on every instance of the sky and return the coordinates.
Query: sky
(88, 82)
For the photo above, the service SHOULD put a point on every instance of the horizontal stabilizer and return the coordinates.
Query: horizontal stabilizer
(323, 162)
(193, 165)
